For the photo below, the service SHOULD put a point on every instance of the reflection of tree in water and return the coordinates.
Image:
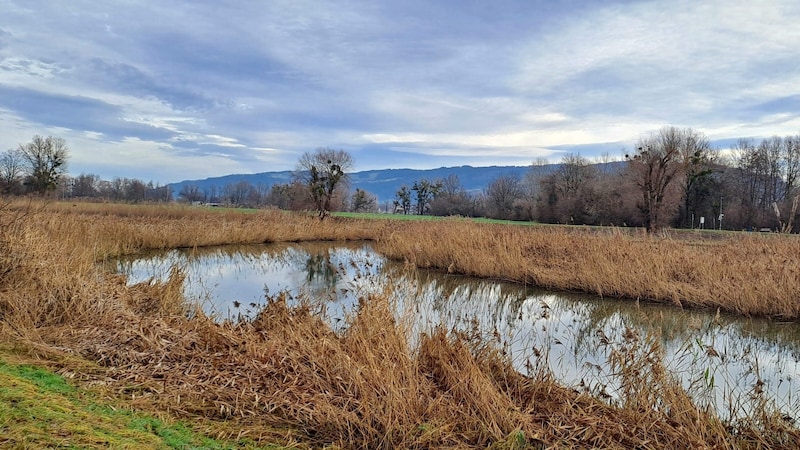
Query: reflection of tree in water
(321, 274)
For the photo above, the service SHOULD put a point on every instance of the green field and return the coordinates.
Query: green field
(416, 217)
(428, 218)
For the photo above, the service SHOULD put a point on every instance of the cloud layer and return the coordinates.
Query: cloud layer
(161, 91)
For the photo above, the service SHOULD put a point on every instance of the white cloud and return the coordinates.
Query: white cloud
(19, 70)
(137, 156)
(222, 141)
(683, 56)
(782, 124)
(242, 85)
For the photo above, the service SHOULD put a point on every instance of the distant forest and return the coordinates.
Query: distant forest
(671, 178)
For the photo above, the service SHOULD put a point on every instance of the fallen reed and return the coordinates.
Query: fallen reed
(287, 376)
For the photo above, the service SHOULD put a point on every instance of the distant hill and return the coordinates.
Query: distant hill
(382, 183)
(385, 183)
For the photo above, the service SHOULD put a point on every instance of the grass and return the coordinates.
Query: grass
(373, 216)
(427, 218)
(287, 377)
(40, 409)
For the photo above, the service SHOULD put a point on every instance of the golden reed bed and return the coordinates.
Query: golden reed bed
(747, 274)
(287, 377)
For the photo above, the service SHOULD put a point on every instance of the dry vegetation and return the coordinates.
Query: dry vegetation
(287, 376)
(747, 274)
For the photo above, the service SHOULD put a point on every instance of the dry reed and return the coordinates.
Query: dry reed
(288, 376)
(742, 274)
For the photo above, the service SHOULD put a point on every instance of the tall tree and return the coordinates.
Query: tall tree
(12, 166)
(191, 193)
(426, 191)
(85, 185)
(531, 186)
(791, 164)
(572, 190)
(364, 201)
(698, 160)
(502, 197)
(402, 200)
(241, 194)
(758, 178)
(656, 165)
(135, 190)
(46, 162)
(452, 199)
(324, 173)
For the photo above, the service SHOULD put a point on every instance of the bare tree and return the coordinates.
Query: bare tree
(452, 199)
(402, 201)
(698, 161)
(135, 190)
(426, 192)
(212, 194)
(12, 165)
(364, 201)
(240, 194)
(569, 192)
(758, 178)
(279, 196)
(85, 185)
(573, 173)
(158, 193)
(324, 173)
(46, 162)
(451, 186)
(292, 196)
(502, 197)
(531, 186)
(791, 164)
(191, 193)
(656, 165)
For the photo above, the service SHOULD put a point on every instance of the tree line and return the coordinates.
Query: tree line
(672, 177)
(39, 167)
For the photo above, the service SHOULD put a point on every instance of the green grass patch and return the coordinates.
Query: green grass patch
(387, 216)
(40, 409)
(708, 233)
(416, 217)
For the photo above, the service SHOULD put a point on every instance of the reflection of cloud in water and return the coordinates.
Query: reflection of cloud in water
(535, 328)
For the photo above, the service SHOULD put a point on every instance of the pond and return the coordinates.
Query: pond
(721, 360)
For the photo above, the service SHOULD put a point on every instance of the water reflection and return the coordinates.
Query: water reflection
(721, 360)
(231, 282)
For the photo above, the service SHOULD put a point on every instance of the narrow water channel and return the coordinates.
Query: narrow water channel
(722, 360)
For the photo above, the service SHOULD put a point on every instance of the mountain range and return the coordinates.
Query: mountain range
(381, 183)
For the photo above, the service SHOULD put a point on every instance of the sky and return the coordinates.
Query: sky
(177, 90)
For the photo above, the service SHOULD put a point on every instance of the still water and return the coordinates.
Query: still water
(721, 360)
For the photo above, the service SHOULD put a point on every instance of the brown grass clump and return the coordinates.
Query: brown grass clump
(366, 388)
(743, 274)
(287, 376)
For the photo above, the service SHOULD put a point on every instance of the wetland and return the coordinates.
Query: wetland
(721, 359)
